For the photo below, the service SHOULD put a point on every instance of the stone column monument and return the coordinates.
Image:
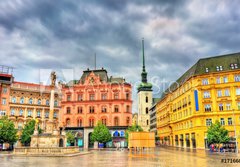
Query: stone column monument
(51, 126)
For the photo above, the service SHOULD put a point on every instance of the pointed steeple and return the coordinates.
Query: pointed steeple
(144, 73)
(144, 85)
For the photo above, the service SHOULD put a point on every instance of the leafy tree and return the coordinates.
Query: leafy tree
(133, 128)
(8, 133)
(27, 132)
(217, 134)
(70, 137)
(101, 134)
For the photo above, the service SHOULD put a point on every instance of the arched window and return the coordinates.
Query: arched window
(39, 101)
(14, 100)
(146, 110)
(68, 123)
(12, 112)
(47, 102)
(55, 103)
(91, 122)
(30, 101)
(80, 110)
(116, 109)
(22, 100)
(128, 121)
(79, 122)
(146, 99)
(116, 121)
(21, 112)
(68, 110)
(104, 109)
(104, 121)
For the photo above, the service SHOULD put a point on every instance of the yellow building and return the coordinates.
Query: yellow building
(208, 91)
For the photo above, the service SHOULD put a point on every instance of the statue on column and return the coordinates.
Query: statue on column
(53, 78)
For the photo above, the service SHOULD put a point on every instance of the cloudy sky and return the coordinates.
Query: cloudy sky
(65, 34)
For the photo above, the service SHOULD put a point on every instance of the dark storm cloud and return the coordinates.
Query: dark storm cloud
(65, 34)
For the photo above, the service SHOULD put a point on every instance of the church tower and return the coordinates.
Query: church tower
(144, 97)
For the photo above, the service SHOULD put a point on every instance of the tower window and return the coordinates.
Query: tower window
(146, 110)
(146, 99)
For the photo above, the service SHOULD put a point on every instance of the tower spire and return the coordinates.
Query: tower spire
(143, 57)
(144, 73)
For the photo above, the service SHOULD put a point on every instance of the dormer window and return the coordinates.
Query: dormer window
(217, 68)
(232, 66)
(206, 70)
(235, 66)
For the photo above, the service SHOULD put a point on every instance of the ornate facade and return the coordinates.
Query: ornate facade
(22, 101)
(97, 97)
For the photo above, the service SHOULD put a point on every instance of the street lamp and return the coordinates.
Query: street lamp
(235, 132)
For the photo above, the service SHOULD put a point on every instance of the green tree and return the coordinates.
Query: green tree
(27, 132)
(133, 128)
(70, 137)
(8, 133)
(217, 134)
(101, 134)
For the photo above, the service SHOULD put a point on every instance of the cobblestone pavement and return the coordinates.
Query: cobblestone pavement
(165, 157)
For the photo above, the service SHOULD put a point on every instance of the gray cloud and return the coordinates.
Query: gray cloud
(65, 34)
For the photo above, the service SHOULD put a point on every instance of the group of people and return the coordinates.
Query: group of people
(213, 148)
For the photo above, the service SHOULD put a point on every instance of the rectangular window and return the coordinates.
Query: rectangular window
(2, 112)
(237, 78)
(91, 109)
(227, 92)
(104, 96)
(79, 110)
(92, 97)
(208, 107)
(21, 112)
(4, 101)
(47, 114)
(80, 97)
(219, 93)
(55, 115)
(205, 81)
(116, 96)
(229, 121)
(206, 94)
(208, 122)
(228, 106)
(218, 80)
(127, 96)
(127, 109)
(68, 110)
(12, 112)
(29, 113)
(38, 113)
(68, 97)
(4, 91)
(220, 106)
(222, 121)
(115, 108)
(237, 91)
(225, 79)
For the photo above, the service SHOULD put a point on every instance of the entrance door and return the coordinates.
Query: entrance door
(60, 142)
(90, 144)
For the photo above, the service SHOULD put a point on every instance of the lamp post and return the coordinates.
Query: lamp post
(235, 132)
